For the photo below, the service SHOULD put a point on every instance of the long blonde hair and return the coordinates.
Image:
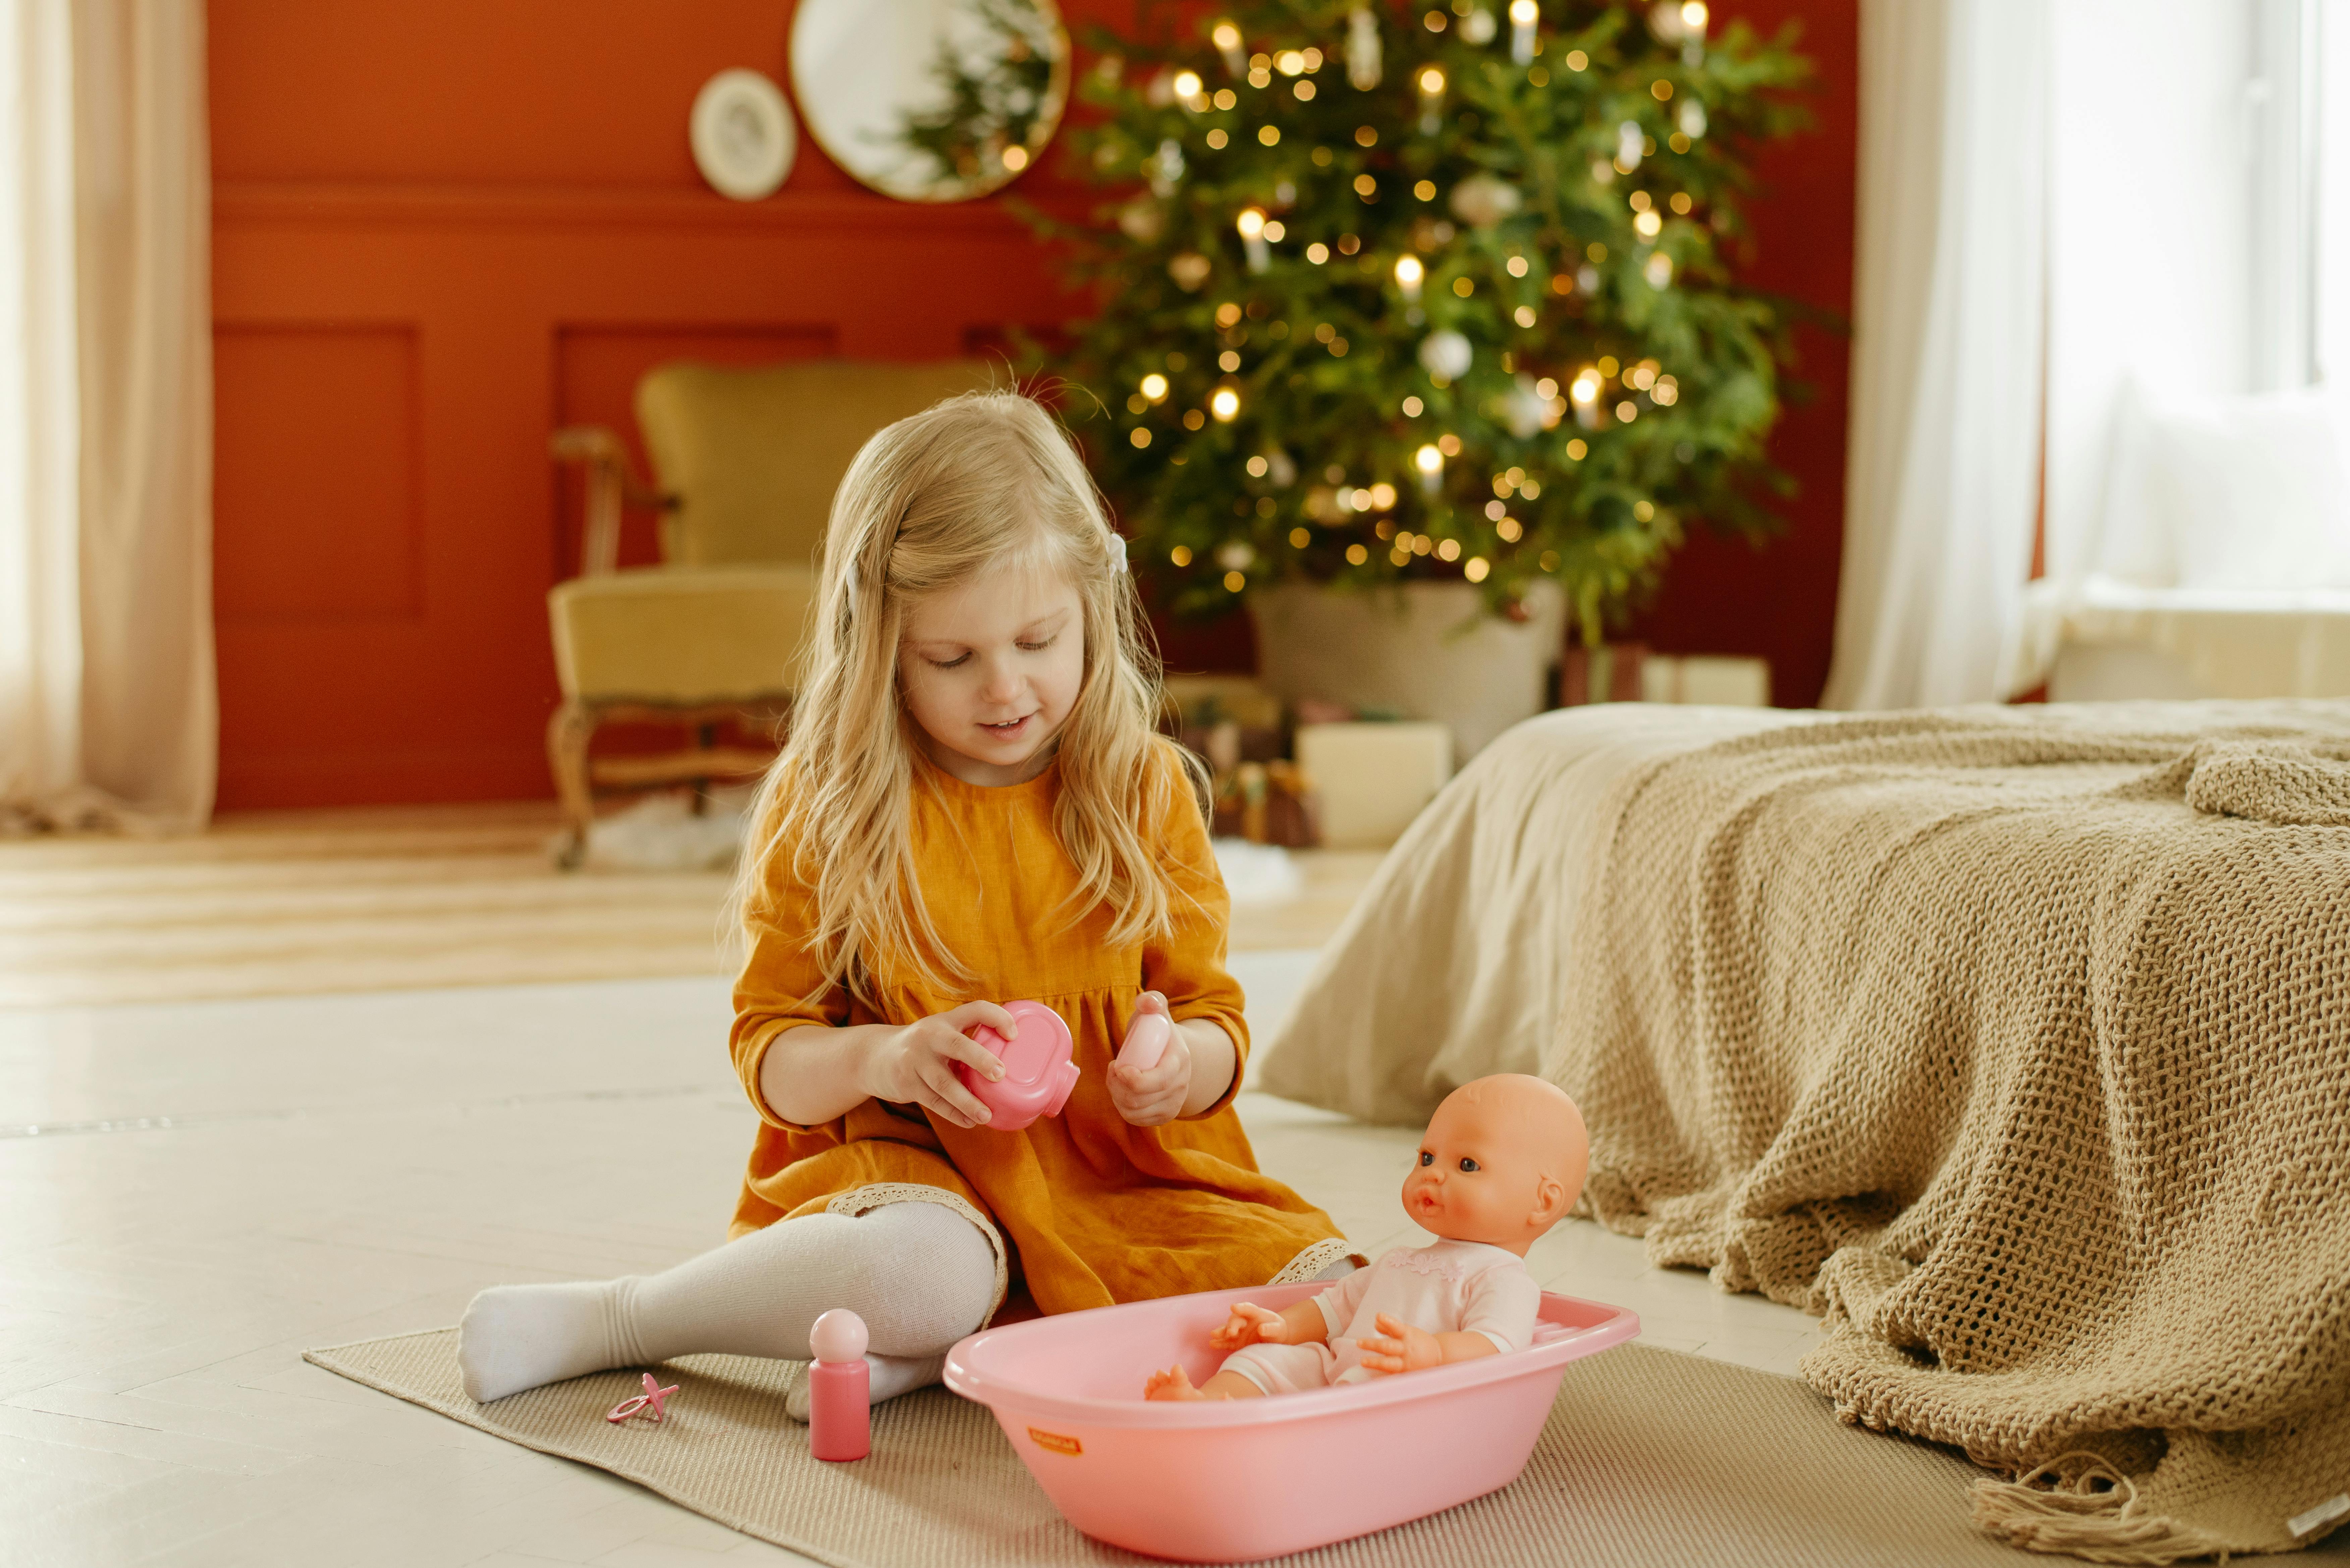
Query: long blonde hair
(975, 482)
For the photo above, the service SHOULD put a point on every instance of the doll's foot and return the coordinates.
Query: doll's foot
(1172, 1383)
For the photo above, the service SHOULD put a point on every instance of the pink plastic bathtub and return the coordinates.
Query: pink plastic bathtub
(1230, 1480)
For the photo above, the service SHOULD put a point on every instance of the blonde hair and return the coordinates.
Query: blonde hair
(976, 482)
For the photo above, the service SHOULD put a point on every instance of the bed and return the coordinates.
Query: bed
(2013, 1041)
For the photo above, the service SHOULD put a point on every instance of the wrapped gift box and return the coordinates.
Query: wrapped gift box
(1372, 779)
(1628, 672)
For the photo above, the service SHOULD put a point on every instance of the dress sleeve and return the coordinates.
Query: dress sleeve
(1502, 1303)
(1186, 966)
(781, 986)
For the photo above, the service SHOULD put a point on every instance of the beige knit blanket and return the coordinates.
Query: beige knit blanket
(2017, 1042)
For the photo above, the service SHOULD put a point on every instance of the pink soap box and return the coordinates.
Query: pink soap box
(1039, 1068)
(1231, 1480)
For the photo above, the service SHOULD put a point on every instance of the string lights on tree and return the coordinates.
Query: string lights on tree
(1436, 292)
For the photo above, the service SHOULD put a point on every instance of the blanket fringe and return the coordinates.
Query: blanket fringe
(2079, 1506)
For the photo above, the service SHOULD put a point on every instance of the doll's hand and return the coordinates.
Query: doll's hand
(1250, 1324)
(1153, 1097)
(915, 1065)
(1400, 1347)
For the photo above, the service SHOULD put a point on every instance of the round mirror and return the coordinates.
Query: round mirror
(931, 101)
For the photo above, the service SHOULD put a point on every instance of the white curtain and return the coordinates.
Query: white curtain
(107, 706)
(1942, 476)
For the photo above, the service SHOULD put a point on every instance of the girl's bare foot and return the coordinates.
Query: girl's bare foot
(1172, 1383)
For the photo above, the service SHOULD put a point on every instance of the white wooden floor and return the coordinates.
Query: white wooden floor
(301, 903)
(193, 1193)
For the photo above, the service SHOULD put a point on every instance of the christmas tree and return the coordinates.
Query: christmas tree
(1430, 294)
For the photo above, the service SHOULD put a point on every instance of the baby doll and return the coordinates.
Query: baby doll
(1502, 1162)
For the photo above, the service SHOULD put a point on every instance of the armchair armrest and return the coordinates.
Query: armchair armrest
(610, 487)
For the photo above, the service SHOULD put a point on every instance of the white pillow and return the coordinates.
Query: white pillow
(2232, 493)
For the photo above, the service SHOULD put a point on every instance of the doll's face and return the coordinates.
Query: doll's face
(1483, 1173)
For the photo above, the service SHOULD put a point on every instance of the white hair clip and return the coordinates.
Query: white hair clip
(1116, 551)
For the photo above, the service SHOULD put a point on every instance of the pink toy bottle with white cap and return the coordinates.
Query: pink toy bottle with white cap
(840, 1389)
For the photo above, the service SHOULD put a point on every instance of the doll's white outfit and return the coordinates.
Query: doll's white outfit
(1453, 1287)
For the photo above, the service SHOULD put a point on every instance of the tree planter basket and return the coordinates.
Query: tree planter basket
(1424, 650)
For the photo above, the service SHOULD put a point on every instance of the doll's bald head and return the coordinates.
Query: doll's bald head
(1539, 1113)
(1504, 1159)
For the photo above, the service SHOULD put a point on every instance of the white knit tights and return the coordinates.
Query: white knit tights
(920, 1274)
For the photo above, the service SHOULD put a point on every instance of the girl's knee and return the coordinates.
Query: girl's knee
(933, 1275)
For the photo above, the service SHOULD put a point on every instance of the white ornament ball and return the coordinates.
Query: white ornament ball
(1484, 200)
(1363, 63)
(1524, 408)
(1445, 353)
(1237, 555)
(1630, 143)
(1165, 168)
(1478, 27)
(1142, 220)
(1190, 270)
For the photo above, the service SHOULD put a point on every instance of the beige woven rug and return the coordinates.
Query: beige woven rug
(1651, 1459)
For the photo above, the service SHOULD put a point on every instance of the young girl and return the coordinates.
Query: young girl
(974, 808)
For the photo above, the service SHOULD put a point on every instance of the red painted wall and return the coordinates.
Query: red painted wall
(443, 229)
(1723, 596)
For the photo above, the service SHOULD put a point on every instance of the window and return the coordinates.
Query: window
(2329, 226)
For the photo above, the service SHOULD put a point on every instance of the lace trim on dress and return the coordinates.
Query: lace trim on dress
(1438, 1264)
(1307, 1265)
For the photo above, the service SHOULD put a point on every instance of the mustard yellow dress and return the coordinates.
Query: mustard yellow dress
(1089, 1209)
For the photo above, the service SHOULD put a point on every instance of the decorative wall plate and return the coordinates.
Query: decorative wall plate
(743, 135)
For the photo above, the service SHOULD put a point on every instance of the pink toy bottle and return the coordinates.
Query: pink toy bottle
(1145, 1042)
(841, 1392)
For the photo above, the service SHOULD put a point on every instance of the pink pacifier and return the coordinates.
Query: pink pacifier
(1039, 1069)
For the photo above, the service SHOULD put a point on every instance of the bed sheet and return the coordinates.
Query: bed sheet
(1452, 964)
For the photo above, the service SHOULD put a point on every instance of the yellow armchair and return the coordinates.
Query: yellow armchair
(744, 464)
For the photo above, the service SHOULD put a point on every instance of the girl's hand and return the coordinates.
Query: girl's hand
(1153, 1097)
(1250, 1324)
(915, 1065)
